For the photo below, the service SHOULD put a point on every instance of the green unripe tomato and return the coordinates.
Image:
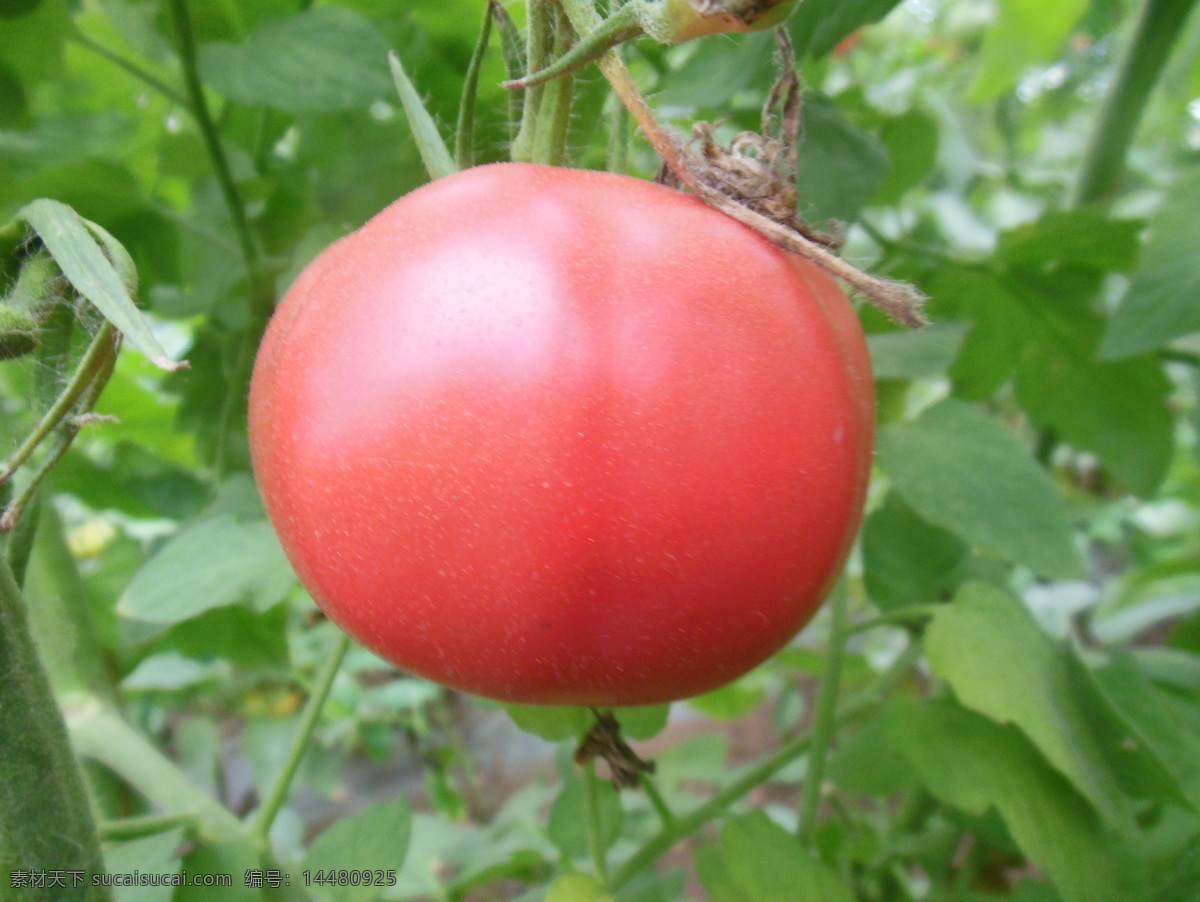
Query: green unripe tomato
(683, 20)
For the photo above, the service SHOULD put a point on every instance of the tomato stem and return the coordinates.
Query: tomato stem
(278, 793)
(538, 45)
(825, 719)
(861, 703)
(554, 117)
(79, 395)
(594, 827)
(45, 818)
(1159, 26)
(464, 133)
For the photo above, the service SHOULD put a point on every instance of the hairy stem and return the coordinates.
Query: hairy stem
(826, 716)
(1159, 26)
(864, 701)
(45, 819)
(278, 793)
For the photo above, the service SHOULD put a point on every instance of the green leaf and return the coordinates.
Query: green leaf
(911, 140)
(758, 861)
(643, 722)
(1118, 410)
(375, 838)
(322, 60)
(841, 166)
(908, 560)
(1083, 237)
(1027, 32)
(220, 860)
(576, 888)
(170, 671)
(971, 763)
(1163, 300)
(960, 470)
(1161, 722)
(150, 855)
(215, 563)
(552, 722)
(434, 152)
(989, 352)
(70, 241)
(567, 826)
(1025, 679)
(818, 25)
(916, 354)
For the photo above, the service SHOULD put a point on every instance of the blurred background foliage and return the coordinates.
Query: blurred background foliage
(1036, 502)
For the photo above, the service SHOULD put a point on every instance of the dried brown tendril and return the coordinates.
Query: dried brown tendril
(604, 741)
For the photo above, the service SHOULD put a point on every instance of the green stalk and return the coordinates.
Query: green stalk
(618, 137)
(867, 699)
(825, 719)
(554, 117)
(540, 25)
(101, 354)
(132, 68)
(594, 831)
(261, 298)
(1159, 26)
(464, 134)
(265, 817)
(45, 820)
(100, 733)
(138, 827)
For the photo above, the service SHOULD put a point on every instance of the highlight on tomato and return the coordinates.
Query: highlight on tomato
(561, 436)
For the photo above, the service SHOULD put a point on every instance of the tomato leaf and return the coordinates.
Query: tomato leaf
(318, 60)
(757, 859)
(960, 470)
(972, 763)
(568, 823)
(1028, 680)
(916, 354)
(1027, 32)
(217, 562)
(107, 283)
(908, 560)
(818, 25)
(1161, 303)
(373, 839)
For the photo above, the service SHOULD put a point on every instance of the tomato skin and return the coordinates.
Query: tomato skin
(565, 437)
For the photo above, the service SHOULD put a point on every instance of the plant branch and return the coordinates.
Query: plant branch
(45, 819)
(825, 718)
(132, 68)
(97, 357)
(1159, 26)
(265, 817)
(865, 700)
(464, 133)
(261, 299)
(594, 828)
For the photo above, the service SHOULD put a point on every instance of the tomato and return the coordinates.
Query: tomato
(560, 436)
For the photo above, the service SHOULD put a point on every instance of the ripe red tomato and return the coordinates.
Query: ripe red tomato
(560, 436)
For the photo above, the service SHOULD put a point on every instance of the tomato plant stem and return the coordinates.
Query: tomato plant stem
(137, 827)
(865, 700)
(95, 360)
(554, 117)
(261, 298)
(132, 68)
(277, 795)
(826, 715)
(45, 820)
(659, 803)
(595, 830)
(464, 133)
(539, 42)
(1159, 26)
